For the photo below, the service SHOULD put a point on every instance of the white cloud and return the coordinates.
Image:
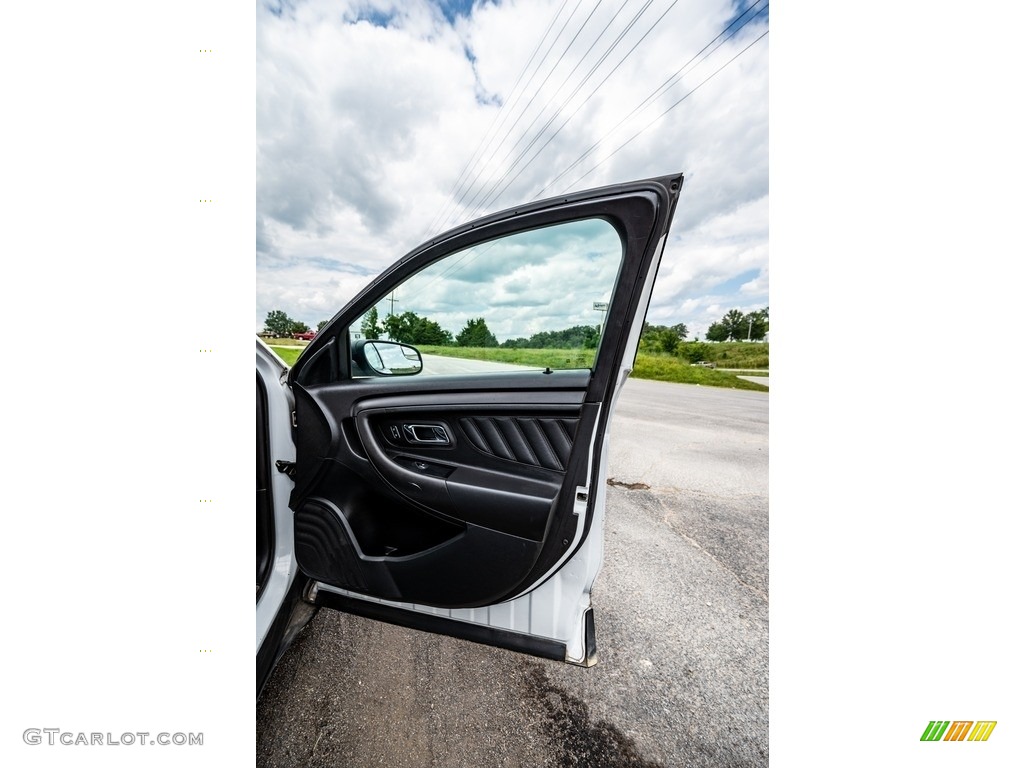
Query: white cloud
(363, 130)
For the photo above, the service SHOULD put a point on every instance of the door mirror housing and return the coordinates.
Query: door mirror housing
(378, 357)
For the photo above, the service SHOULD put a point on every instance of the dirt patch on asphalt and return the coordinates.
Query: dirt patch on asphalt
(581, 741)
(628, 486)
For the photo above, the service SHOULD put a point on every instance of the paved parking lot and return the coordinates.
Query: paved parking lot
(682, 629)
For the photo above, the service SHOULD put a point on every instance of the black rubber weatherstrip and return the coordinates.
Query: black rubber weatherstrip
(500, 638)
(273, 647)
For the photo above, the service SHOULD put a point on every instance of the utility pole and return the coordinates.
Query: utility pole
(601, 306)
(393, 301)
(750, 327)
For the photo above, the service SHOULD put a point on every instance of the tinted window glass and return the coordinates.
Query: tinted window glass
(534, 299)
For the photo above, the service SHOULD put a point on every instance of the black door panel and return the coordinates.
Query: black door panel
(453, 522)
(541, 442)
(470, 568)
(325, 415)
(456, 478)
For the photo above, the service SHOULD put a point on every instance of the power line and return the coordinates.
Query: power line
(472, 253)
(493, 193)
(655, 120)
(614, 43)
(490, 194)
(496, 194)
(469, 186)
(487, 136)
(600, 34)
(721, 39)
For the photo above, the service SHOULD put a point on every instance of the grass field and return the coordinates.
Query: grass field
(670, 368)
(736, 354)
(539, 358)
(659, 367)
(283, 342)
(288, 354)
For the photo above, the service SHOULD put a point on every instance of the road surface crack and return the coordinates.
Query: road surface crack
(667, 520)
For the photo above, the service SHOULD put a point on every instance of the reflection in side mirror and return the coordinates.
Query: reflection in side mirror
(385, 358)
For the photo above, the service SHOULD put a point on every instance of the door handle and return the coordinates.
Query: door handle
(435, 434)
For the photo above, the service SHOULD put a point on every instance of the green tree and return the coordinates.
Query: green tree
(757, 324)
(428, 332)
(321, 324)
(279, 324)
(736, 326)
(665, 340)
(399, 327)
(476, 334)
(371, 326)
(410, 328)
(735, 323)
(716, 332)
(577, 337)
(695, 351)
(660, 338)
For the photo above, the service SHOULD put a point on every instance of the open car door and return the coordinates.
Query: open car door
(468, 498)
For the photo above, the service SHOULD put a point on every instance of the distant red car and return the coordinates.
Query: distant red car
(304, 336)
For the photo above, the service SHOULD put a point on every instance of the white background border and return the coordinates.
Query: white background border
(895, 162)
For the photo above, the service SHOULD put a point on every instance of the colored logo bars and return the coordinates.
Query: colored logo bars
(958, 730)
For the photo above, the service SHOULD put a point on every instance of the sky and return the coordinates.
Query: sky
(380, 124)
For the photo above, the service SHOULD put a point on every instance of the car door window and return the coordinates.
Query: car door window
(534, 299)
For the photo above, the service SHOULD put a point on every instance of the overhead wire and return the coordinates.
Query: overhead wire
(435, 221)
(728, 33)
(558, 90)
(457, 265)
(467, 187)
(676, 104)
(495, 193)
(571, 72)
(614, 44)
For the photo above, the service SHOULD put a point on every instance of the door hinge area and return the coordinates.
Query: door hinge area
(285, 467)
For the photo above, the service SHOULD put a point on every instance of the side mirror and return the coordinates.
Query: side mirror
(376, 357)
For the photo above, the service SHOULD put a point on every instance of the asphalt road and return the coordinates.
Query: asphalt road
(682, 629)
(437, 364)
